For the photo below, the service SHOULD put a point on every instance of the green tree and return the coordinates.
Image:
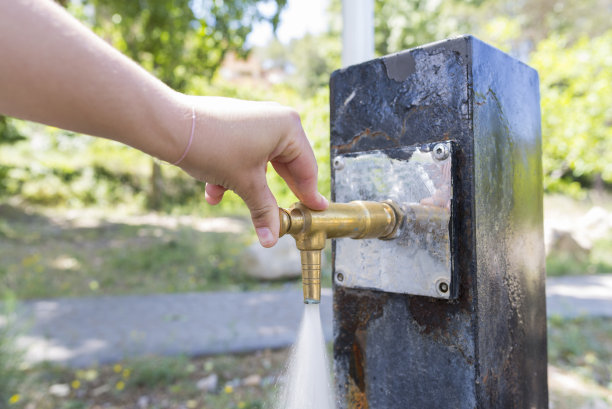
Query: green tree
(576, 99)
(570, 18)
(175, 39)
(402, 24)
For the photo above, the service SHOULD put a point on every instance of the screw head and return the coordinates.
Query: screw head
(338, 163)
(443, 287)
(440, 151)
(340, 277)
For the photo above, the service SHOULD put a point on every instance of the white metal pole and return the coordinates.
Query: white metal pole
(357, 31)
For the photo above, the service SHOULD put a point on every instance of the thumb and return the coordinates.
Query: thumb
(264, 212)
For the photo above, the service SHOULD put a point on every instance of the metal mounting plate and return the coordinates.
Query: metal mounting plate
(418, 261)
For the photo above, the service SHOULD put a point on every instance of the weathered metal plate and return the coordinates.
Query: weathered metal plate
(418, 261)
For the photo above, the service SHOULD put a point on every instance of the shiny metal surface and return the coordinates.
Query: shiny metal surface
(310, 229)
(418, 179)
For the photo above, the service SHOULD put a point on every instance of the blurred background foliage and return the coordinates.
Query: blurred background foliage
(185, 43)
(201, 47)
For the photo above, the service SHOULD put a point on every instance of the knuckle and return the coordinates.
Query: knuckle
(294, 118)
(259, 213)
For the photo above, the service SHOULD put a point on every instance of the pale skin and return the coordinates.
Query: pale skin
(55, 71)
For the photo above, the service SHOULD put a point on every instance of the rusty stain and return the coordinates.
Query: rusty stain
(354, 310)
(357, 386)
(357, 366)
(408, 116)
(347, 147)
(357, 399)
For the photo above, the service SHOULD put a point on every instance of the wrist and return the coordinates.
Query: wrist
(163, 125)
(174, 126)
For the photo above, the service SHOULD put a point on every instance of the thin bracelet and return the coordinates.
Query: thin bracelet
(193, 118)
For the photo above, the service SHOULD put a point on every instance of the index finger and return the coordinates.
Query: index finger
(301, 176)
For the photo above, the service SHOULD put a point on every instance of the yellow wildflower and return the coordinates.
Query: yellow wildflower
(117, 368)
(228, 389)
(126, 373)
(14, 399)
(120, 385)
(91, 375)
(76, 384)
(242, 404)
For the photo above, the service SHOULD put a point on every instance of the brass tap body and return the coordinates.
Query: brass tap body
(310, 229)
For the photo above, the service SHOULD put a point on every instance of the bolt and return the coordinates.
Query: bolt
(338, 163)
(443, 287)
(440, 151)
(340, 277)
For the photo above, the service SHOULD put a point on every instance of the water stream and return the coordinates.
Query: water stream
(307, 382)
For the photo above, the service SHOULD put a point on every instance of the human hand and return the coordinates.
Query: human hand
(103, 93)
(233, 142)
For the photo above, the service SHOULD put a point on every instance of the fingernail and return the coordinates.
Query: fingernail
(265, 236)
(323, 199)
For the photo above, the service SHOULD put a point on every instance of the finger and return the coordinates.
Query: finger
(213, 193)
(297, 165)
(264, 211)
(301, 177)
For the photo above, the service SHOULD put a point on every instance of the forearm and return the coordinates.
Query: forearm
(55, 71)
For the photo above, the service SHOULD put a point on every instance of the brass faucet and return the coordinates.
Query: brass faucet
(310, 229)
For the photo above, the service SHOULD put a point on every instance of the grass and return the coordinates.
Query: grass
(65, 253)
(580, 363)
(10, 358)
(583, 346)
(51, 256)
(599, 261)
(244, 382)
(579, 354)
(47, 255)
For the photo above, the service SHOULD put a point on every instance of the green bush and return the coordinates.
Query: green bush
(576, 96)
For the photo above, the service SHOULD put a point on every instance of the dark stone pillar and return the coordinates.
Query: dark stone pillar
(487, 348)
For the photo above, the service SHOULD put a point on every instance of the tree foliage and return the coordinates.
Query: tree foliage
(8, 132)
(183, 42)
(178, 39)
(576, 99)
(402, 24)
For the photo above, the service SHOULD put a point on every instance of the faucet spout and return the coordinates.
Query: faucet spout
(310, 229)
(311, 276)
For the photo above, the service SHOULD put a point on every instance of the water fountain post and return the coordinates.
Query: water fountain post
(477, 336)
